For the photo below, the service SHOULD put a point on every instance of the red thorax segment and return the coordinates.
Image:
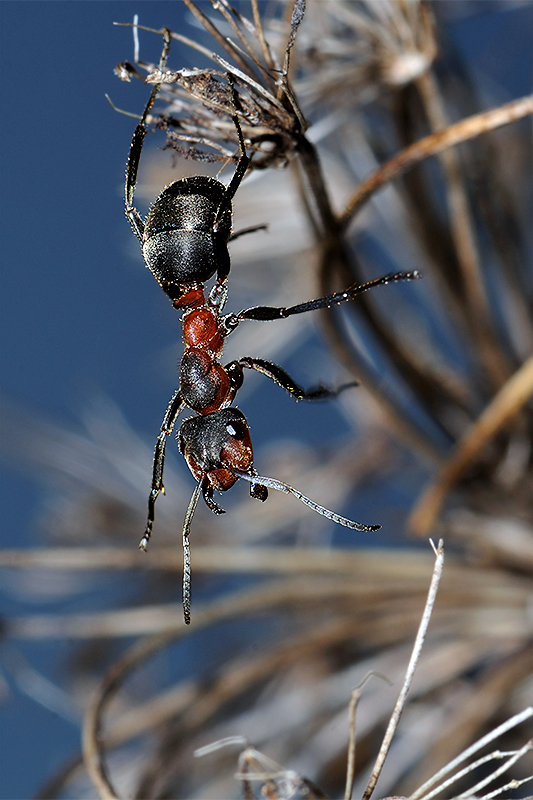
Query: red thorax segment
(205, 384)
(201, 330)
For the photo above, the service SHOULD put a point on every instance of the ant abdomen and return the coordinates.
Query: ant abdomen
(185, 237)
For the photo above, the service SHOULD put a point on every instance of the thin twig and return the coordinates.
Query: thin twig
(497, 772)
(225, 43)
(265, 47)
(417, 648)
(514, 784)
(505, 405)
(494, 756)
(354, 701)
(490, 737)
(176, 36)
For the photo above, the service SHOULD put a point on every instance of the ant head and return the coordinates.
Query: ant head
(215, 445)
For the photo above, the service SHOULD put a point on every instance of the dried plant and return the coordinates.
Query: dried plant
(447, 365)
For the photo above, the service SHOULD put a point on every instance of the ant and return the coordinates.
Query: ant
(184, 242)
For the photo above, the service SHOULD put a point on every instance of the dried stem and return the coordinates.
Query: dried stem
(350, 767)
(417, 649)
(422, 792)
(462, 232)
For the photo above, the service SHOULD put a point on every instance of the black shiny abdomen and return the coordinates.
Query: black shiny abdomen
(183, 241)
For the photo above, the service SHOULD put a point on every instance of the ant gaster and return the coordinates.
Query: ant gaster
(184, 242)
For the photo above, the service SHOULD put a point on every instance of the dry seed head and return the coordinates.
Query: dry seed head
(355, 51)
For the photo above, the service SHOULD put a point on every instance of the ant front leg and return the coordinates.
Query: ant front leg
(283, 379)
(238, 175)
(136, 147)
(167, 426)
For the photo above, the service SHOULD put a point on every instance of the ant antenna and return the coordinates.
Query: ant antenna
(186, 593)
(272, 483)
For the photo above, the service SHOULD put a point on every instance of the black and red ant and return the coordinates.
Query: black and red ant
(184, 242)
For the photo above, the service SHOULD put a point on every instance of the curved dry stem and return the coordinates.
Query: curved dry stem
(466, 129)
(241, 604)
(505, 405)
(336, 260)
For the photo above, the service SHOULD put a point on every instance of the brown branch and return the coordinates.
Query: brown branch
(504, 406)
(277, 560)
(466, 129)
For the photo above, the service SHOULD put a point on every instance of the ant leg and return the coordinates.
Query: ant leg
(136, 147)
(284, 380)
(186, 592)
(244, 231)
(269, 312)
(240, 169)
(169, 420)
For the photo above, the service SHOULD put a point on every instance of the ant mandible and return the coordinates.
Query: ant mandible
(184, 242)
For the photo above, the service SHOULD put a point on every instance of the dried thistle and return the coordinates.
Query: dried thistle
(201, 102)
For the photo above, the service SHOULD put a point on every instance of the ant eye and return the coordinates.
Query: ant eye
(231, 430)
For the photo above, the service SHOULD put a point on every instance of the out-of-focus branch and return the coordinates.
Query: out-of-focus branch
(466, 129)
(503, 407)
(464, 239)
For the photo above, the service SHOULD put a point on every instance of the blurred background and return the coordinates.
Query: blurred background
(90, 346)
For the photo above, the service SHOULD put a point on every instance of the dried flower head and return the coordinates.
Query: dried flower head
(354, 51)
(254, 83)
